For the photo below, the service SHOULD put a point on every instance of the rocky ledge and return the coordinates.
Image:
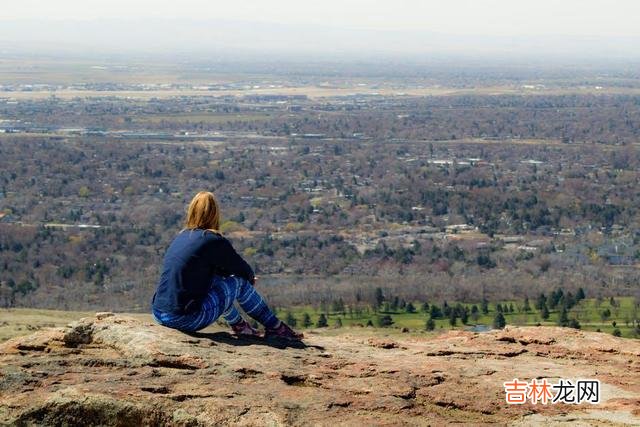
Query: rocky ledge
(116, 370)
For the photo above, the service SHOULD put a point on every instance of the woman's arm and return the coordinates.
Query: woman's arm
(228, 260)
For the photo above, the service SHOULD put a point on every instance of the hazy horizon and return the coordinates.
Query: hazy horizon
(591, 29)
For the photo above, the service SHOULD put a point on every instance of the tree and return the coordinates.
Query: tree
(526, 307)
(322, 321)
(84, 191)
(409, 308)
(337, 306)
(484, 306)
(452, 318)
(290, 320)
(605, 314)
(616, 332)
(464, 316)
(544, 313)
(499, 321)
(435, 311)
(385, 321)
(306, 320)
(446, 310)
(475, 313)
(431, 324)
(485, 261)
(563, 319)
(394, 304)
(541, 301)
(338, 323)
(378, 297)
(425, 307)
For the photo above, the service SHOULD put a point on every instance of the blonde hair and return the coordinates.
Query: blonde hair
(203, 213)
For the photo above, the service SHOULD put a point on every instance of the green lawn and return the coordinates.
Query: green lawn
(587, 312)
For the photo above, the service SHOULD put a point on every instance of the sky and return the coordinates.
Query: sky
(403, 26)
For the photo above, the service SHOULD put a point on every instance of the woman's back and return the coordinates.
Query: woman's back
(190, 262)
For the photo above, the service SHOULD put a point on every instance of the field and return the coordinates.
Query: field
(588, 313)
(22, 321)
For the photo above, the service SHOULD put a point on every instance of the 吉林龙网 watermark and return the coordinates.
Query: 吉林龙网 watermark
(563, 391)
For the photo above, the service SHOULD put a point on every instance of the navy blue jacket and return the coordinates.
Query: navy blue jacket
(190, 263)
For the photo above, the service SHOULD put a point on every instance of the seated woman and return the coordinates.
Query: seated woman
(203, 275)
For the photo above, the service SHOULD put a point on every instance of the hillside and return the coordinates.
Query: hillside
(118, 370)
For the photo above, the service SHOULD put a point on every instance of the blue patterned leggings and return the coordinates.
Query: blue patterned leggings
(219, 301)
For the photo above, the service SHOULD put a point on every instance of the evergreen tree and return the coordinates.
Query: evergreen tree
(446, 310)
(290, 320)
(338, 323)
(541, 301)
(563, 320)
(425, 307)
(464, 316)
(409, 308)
(306, 320)
(379, 298)
(484, 306)
(384, 321)
(452, 318)
(555, 298)
(475, 313)
(499, 321)
(431, 324)
(394, 304)
(435, 311)
(526, 307)
(322, 321)
(580, 295)
(544, 313)
(499, 307)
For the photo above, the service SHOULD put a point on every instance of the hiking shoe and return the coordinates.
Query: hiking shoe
(284, 332)
(243, 328)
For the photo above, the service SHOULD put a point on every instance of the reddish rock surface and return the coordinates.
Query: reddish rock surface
(117, 370)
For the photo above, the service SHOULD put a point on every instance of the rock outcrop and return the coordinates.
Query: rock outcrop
(116, 370)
